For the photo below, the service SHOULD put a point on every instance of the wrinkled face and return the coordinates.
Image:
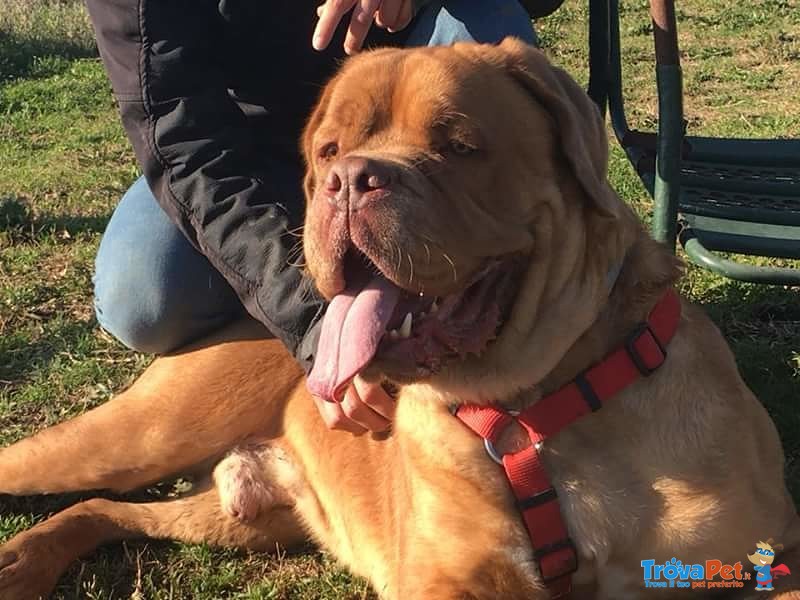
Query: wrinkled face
(427, 171)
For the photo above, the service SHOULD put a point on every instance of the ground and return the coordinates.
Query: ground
(64, 163)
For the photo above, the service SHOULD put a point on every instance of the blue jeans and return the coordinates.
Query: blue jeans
(155, 292)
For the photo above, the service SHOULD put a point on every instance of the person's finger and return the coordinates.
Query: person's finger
(355, 408)
(394, 15)
(403, 17)
(360, 22)
(374, 396)
(334, 418)
(388, 12)
(332, 12)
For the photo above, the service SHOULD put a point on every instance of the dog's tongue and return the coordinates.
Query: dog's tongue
(353, 327)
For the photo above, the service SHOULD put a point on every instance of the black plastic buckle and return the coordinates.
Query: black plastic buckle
(537, 499)
(555, 547)
(588, 393)
(633, 353)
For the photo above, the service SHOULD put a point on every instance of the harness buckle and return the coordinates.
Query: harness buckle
(496, 456)
(489, 446)
(566, 557)
(492, 451)
(636, 356)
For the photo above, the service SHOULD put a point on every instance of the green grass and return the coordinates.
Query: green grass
(64, 163)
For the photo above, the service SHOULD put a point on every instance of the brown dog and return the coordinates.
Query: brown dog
(474, 178)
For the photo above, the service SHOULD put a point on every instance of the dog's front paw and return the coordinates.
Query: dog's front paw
(28, 570)
(243, 493)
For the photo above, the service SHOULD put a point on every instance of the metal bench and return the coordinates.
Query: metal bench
(738, 196)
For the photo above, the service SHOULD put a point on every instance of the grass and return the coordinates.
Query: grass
(64, 163)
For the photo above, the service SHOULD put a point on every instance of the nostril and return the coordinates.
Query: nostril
(333, 183)
(368, 182)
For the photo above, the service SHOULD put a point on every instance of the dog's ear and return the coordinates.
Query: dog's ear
(307, 140)
(580, 128)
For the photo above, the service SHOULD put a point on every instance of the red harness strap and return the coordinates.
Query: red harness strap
(642, 353)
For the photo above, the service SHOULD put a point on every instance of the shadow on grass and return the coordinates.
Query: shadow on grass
(111, 569)
(26, 359)
(18, 220)
(58, 338)
(49, 504)
(25, 57)
(762, 326)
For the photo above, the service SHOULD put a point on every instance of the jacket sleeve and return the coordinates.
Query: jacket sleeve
(197, 153)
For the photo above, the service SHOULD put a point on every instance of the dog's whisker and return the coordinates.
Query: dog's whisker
(427, 251)
(297, 244)
(411, 267)
(293, 254)
(297, 248)
(296, 231)
(444, 254)
(452, 264)
(399, 258)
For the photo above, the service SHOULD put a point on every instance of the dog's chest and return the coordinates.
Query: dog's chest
(467, 503)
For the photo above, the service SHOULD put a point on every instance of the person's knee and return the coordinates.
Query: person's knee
(443, 23)
(153, 291)
(143, 325)
(155, 312)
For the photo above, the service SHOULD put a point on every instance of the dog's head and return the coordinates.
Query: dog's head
(458, 217)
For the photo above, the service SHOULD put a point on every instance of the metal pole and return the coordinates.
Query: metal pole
(666, 191)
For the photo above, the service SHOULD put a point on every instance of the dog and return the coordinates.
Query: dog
(460, 221)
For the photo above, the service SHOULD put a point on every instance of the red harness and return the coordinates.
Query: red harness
(642, 353)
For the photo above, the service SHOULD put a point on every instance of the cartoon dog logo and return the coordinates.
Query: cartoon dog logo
(762, 560)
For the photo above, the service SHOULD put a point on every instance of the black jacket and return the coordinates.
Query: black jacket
(213, 96)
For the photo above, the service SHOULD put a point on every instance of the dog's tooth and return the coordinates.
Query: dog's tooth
(434, 306)
(393, 335)
(405, 328)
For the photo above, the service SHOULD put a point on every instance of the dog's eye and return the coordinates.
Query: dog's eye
(329, 151)
(461, 148)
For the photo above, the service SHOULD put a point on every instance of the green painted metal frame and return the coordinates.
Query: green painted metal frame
(667, 185)
(670, 144)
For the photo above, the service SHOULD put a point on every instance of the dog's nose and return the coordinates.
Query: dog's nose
(352, 182)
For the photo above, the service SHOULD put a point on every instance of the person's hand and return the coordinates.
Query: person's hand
(365, 407)
(392, 15)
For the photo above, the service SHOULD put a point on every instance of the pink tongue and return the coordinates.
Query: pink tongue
(353, 327)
